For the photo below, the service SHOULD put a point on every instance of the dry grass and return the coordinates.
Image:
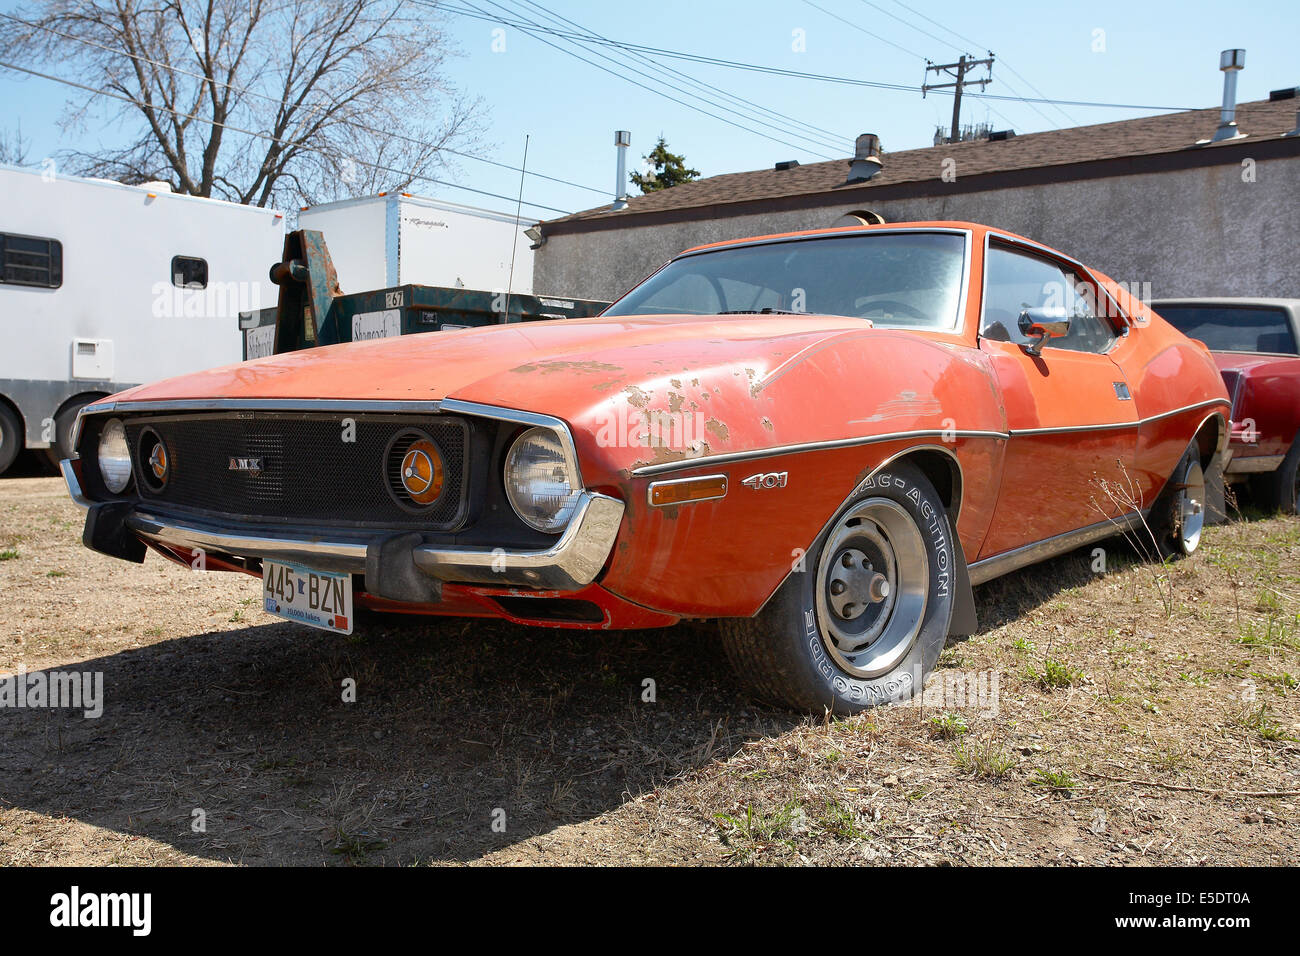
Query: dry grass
(1123, 734)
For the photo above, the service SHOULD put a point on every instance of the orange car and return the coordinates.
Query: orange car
(822, 438)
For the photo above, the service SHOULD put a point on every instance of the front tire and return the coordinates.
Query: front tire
(865, 618)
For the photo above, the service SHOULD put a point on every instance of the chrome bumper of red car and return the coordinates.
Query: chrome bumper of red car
(572, 562)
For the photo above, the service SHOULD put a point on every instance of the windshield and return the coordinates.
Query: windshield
(1233, 329)
(901, 280)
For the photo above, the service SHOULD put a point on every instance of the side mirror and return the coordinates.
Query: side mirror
(1041, 324)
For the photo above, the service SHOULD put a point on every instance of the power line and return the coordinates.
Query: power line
(861, 29)
(779, 71)
(315, 109)
(839, 138)
(406, 174)
(532, 28)
(819, 141)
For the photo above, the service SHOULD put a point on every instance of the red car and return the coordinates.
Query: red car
(822, 438)
(1254, 343)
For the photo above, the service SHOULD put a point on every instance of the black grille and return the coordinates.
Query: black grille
(305, 470)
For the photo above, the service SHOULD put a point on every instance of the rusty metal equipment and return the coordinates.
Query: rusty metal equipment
(312, 310)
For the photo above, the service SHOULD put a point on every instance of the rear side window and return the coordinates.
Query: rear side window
(189, 272)
(31, 260)
(1233, 328)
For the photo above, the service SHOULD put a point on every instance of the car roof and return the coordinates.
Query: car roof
(1228, 300)
(973, 227)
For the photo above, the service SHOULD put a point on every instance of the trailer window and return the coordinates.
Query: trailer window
(189, 272)
(31, 260)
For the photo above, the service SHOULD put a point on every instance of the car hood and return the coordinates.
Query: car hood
(559, 367)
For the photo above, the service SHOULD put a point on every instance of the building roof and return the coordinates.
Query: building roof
(1060, 151)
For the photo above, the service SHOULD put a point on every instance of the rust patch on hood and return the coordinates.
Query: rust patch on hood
(555, 365)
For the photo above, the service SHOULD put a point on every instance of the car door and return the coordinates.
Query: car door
(1070, 414)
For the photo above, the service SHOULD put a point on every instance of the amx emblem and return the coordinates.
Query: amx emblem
(763, 481)
(250, 466)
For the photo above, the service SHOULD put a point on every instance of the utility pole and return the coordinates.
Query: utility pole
(958, 71)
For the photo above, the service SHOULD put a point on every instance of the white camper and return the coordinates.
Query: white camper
(392, 239)
(104, 286)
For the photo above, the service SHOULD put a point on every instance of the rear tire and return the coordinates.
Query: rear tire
(1178, 517)
(11, 437)
(865, 618)
(1278, 490)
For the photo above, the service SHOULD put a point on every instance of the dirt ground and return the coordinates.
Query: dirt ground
(1145, 715)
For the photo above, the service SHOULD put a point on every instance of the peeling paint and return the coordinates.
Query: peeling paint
(559, 366)
(718, 429)
(637, 397)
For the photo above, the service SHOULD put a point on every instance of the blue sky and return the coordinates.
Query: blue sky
(1163, 54)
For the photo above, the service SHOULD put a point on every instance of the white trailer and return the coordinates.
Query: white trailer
(104, 286)
(393, 239)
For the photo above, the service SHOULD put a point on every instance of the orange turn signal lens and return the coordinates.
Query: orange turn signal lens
(685, 490)
(422, 472)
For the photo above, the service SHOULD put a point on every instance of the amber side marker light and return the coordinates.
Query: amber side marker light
(685, 490)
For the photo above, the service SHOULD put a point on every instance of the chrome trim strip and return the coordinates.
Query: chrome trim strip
(264, 405)
(731, 457)
(340, 554)
(650, 489)
(572, 562)
(74, 485)
(521, 417)
(1000, 564)
(1186, 408)
(1254, 464)
(1138, 422)
(1062, 429)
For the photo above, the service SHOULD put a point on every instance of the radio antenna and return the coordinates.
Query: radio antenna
(514, 236)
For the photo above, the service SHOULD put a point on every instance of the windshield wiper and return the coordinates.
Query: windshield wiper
(760, 312)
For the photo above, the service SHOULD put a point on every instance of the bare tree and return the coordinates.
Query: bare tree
(13, 149)
(264, 102)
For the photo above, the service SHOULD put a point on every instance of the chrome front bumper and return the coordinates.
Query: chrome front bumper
(572, 562)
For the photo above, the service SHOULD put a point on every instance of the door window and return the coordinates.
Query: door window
(1016, 279)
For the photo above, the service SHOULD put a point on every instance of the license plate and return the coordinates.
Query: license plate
(318, 598)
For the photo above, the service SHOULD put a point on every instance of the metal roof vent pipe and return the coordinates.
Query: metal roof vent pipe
(622, 140)
(866, 161)
(1231, 62)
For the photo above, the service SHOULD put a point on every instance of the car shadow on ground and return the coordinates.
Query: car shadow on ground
(465, 737)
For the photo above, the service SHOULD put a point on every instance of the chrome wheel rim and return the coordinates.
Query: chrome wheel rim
(873, 585)
(1191, 508)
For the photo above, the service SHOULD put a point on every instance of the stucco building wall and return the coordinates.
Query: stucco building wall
(1199, 231)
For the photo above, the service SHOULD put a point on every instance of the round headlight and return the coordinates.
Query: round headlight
(114, 456)
(538, 482)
